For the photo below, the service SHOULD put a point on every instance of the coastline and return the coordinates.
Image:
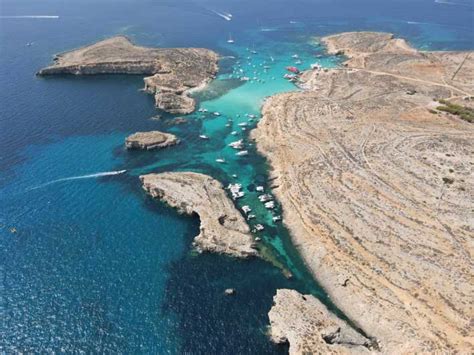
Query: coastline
(345, 267)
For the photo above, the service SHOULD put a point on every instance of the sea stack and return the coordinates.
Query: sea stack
(171, 72)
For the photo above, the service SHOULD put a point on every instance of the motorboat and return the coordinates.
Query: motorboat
(246, 209)
(270, 205)
(237, 144)
(265, 198)
(242, 153)
(292, 69)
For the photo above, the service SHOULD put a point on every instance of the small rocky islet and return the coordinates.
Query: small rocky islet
(385, 90)
(150, 140)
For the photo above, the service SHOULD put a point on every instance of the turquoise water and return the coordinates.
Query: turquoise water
(97, 266)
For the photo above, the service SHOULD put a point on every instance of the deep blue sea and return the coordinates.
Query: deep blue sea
(88, 262)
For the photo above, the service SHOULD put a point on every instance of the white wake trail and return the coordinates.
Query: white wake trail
(447, 2)
(33, 16)
(225, 17)
(80, 177)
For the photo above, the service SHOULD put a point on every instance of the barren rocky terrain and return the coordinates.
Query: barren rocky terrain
(172, 71)
(307, 325)
(222, 229)
(377, 188)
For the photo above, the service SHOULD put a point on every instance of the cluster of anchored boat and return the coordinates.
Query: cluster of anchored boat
(239, 144)
(265, 198)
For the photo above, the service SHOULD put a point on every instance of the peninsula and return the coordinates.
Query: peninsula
(171, 72)
(377, 187)
(150, 140)
(223, 229)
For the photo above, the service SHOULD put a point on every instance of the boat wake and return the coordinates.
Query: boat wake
(447, 2)
(80, 177)
(33, 16)
(416, 23)
(226, 16)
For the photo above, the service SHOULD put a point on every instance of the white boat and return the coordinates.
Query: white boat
(237, 144)
(276, 218)
(217, 113)
(245, 78)
(238, 195)
(272, 59)
(298, 62)
(243, 124)
(234, 176)
(246, 209)
(220, 160)
(230, 40)
(235, 190)
(242, 153)
(259, 227)
(251, 216)
(202, 136)
(270, 205)
(265, 198)
(234, 133)
(296, 56)
(260, 188)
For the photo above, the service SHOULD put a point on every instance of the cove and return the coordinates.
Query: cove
(97, 266)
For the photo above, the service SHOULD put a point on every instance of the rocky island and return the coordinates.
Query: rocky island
(223, 229)
(377, 188)
(171, 72)
(150, 140)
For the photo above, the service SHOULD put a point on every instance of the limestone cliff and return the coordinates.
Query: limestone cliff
(377, 188)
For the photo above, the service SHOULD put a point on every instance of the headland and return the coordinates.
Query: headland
(376, 184)
(171, 72)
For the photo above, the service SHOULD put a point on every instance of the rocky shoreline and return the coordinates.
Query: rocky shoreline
(223, 230)
(306, 324)
(172, 72)
(376, 186)
(150, 140)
